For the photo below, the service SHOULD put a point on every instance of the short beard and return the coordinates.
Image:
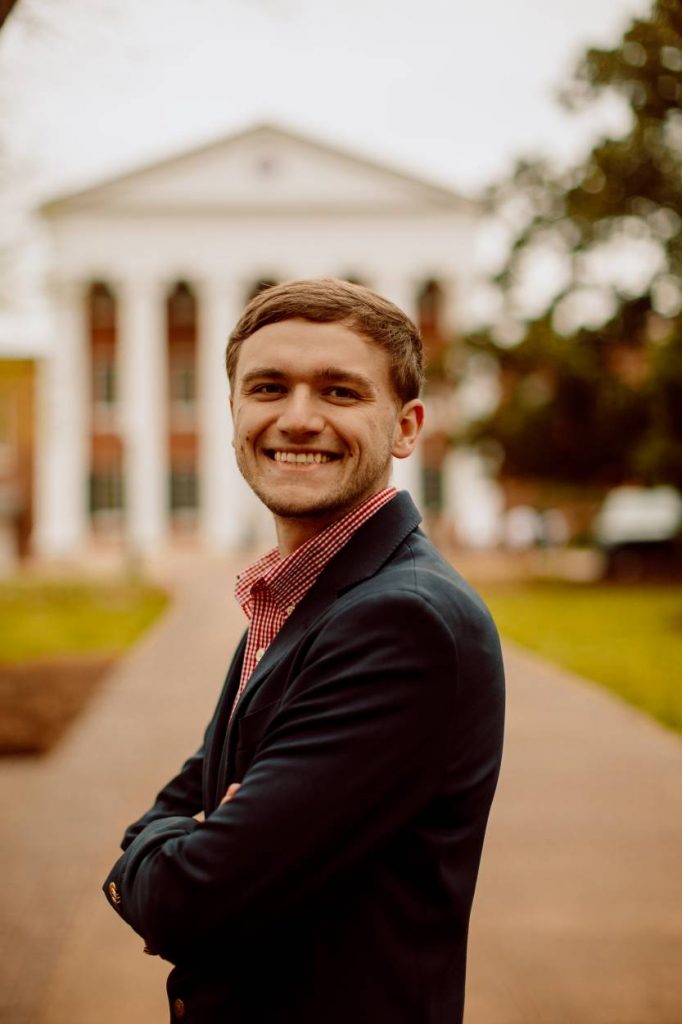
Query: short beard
(335, 505)
(291, 512)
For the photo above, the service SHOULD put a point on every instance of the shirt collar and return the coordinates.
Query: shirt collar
(288, 579)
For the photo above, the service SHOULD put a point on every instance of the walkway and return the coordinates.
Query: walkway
(578, 916)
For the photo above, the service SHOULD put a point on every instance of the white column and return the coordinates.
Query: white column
(62, 467)
(402, 290)
(226, 503)
(144, 408)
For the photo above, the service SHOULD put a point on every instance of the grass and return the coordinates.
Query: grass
(57, 642)
(42, 620)
(628, 638)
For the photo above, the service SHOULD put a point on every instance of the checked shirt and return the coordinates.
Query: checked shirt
(269, 589)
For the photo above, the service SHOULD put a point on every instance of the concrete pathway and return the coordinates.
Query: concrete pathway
(578, 916)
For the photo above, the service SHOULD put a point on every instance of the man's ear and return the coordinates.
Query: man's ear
(407, 429)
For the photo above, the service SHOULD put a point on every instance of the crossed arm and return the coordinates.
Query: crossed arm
(182, 796)
(359, 746)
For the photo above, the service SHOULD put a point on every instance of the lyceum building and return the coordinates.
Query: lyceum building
(149, 273)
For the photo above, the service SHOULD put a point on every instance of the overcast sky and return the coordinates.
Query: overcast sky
(451, 90)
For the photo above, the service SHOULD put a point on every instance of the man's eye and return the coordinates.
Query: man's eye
(267, 389)
(342, 393)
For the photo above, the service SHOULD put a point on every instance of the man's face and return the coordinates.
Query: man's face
(316, 419)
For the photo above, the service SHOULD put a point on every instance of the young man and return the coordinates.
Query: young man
(348, 770)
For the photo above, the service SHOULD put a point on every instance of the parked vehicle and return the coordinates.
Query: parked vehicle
(639, 529)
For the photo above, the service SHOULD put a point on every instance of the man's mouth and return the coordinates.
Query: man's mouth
(301, 458)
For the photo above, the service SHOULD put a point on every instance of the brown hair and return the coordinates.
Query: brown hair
(328, 300)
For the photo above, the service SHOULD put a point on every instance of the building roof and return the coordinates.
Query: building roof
(265, 168)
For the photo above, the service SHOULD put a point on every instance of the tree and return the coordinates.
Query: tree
(593, 391)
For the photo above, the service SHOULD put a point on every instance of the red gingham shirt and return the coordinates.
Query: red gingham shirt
(270, 589)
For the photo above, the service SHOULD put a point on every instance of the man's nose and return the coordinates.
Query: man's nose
(300, 413)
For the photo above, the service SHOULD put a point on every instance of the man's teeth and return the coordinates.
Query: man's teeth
(302, 457)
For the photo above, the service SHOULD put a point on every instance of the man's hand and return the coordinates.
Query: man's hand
(231, 790)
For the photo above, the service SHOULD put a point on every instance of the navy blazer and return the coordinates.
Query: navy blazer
(336, 886)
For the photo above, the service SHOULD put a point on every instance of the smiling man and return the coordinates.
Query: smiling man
(347, 774)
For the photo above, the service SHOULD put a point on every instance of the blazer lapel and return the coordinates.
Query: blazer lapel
(215, 743)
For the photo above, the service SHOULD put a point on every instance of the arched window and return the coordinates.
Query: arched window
(182, 343)
(430, 309)
(106, 450)
(102, 307)
(182, 310)
(183, 440)
(101, 304)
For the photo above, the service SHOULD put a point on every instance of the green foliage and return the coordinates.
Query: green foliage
(45, 619)
(602, 404)
(626, 638)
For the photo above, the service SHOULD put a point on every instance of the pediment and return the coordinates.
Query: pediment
(264, 169)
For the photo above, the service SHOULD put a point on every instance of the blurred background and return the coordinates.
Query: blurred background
(510, 174)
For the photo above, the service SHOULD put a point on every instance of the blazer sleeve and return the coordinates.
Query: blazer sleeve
(358, 747)
(181, 796)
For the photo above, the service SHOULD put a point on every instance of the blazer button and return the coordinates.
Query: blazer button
(259, 653)
(114, 894)
(179, 1008)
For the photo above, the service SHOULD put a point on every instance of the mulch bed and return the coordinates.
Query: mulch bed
(39, 700)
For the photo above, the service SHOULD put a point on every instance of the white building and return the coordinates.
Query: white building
(150, 272)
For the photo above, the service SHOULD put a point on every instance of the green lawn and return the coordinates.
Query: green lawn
(41, 619)
(628, 638)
